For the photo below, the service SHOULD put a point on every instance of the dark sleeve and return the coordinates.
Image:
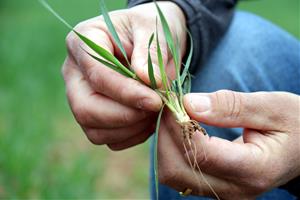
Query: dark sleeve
(293, 187)
(207, 20)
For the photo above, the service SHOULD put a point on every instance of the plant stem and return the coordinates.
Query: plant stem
(174, 104)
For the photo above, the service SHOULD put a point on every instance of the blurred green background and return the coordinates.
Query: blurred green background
(44, 153)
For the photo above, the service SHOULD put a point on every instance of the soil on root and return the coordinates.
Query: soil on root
(190, 127)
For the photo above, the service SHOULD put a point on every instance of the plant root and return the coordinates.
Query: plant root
(188, 129)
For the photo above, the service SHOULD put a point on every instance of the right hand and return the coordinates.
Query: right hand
(110, 108)
(266, 156)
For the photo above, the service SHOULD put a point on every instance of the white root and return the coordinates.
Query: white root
(188, 129)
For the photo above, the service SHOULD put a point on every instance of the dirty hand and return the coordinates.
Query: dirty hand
(266, 155)
(111, 108)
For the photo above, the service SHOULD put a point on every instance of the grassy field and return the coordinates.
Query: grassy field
(44, 153)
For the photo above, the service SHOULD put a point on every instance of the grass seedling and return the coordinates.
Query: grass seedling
(171, 92)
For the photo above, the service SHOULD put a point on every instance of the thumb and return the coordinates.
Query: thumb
(139, 58)
(224, 108)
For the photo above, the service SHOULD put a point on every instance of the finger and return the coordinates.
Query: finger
(134, 140)
(176, 172)
(94, 110)
(108, 82)
(139, 59)
(141, 36)
(215, 156)
(226, 159)
(118, 135)
(180, 135)
(259, 110)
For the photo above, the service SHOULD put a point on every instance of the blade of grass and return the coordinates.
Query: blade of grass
(188, 60)
(174, 49)
(98, 49)
(187, 84)
(174, 86)
(167, 33)
(150, 65)
(178, 78)
(105, 54)
(178, 50)
(161, 67)
(155, 151)
(112, 30)
(107, 64)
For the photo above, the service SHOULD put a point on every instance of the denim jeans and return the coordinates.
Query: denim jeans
(254, 55)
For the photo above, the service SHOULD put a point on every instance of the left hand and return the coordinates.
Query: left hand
(266, 155)
(111, 108)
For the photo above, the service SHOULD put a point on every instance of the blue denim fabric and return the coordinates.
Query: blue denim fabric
(254, 55)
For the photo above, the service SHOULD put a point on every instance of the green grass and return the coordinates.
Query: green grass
(44, 153)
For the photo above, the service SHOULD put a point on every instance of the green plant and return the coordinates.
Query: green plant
(171, 91)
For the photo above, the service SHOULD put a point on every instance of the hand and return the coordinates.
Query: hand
(111, 108)
(266, 156)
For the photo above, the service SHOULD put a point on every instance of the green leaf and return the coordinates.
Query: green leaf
(98, 49)
(150, 65)
(174, 49)
(105, 54)
(113, 67)
(155, 151)
(174, 86)
(112, 30)
(168, 34)
(187, 84)
(188, 60)
(178, 79)
(163, 75)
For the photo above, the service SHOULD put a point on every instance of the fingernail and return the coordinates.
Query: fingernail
(199, 103)
(148, 104)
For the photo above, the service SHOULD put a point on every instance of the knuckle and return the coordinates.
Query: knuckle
(164, 53)
(115, 147)
(64, 70)
(81, 26)
(80, 114)
(96, 80)
(125, 118)
(145, 138)
(71, 39)
(153, 52)
(229, 102)
(128, 91)
(95, 137)
(123, 91)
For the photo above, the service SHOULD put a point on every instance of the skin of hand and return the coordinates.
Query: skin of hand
(266, 155)
(110, 108)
